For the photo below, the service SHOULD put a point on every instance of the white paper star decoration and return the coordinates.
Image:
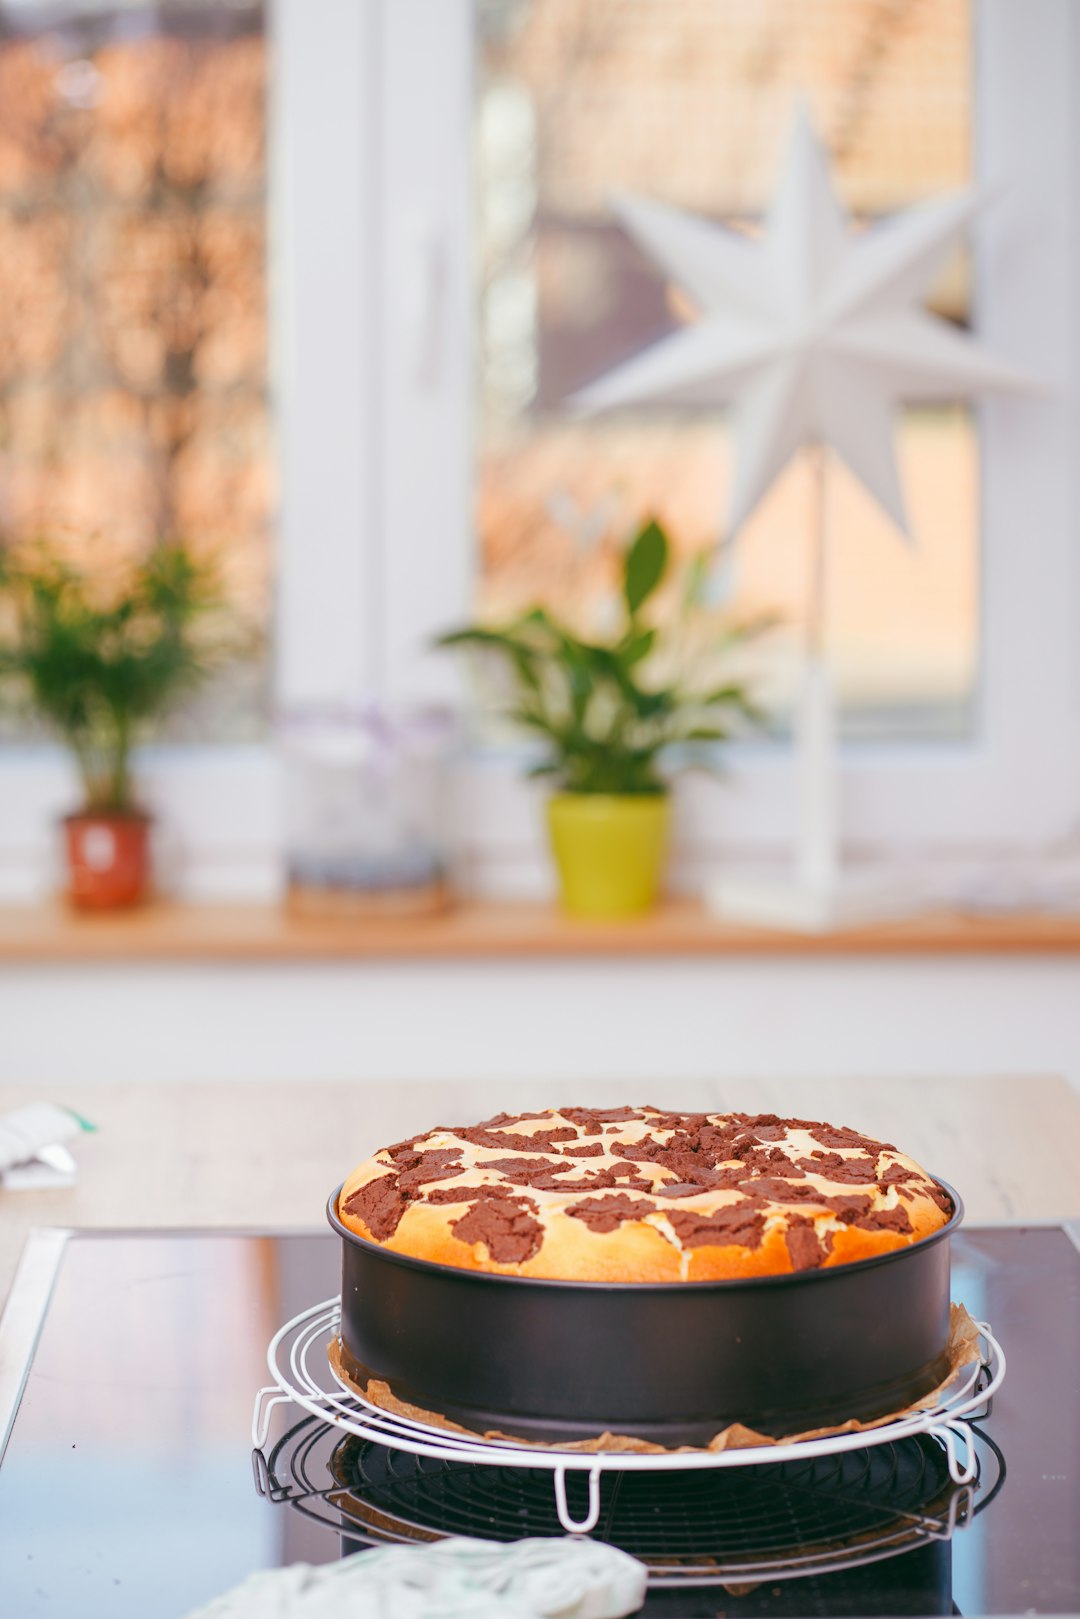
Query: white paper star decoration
(814, 333)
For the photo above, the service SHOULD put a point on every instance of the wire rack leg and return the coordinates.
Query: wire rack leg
(262, 1474)
(961, 1471)
(265, 1401)
(592, 1517)
(987, 1359)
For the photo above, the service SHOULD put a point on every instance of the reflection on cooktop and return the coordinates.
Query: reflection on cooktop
(819, 1520)
(130, 1454)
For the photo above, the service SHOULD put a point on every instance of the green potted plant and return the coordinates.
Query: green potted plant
(101, 656)
(611, 713)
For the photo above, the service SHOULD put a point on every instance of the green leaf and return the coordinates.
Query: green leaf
(576, 663)
(649, 705)
(646, 563)
(731, 693)
(100, 673)
(520, 654)
(533, 720)
(696, 575)
(504, 640)
(633, 648)
(734, 696)
(537, 618)
(604, 728)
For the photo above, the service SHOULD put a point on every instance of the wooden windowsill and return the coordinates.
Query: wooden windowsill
(494, 930)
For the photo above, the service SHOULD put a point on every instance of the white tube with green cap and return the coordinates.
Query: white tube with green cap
(32, 1145)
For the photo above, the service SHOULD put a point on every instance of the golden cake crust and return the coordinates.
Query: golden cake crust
(642, 1194)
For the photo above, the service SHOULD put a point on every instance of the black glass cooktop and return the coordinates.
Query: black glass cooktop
(128, 1486)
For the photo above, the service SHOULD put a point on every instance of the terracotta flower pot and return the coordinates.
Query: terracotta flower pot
(108, 859)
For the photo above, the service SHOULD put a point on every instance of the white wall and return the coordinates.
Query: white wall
(649, 1023)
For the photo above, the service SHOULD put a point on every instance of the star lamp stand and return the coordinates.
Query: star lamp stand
(814, 334)
(818, 895)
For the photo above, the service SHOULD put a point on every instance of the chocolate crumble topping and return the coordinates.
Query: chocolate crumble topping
(769, 1126)
(895, 1174)
(590, 1115)
(669, 1157)
(804, 1246)
(380, 1205)
(669, 1120)
(512, 1141)
(849, 1171)
(783, 1191)
(456, 1194)
(608, 1213)
(848, 1208)
(539, 1172)
(383, 1201)
(737, 1224)
(681, 1189)
(403, 1148)
(440, 1165)
(506, 1118)
(504, 1224)
(832, 1135)
(771, 1161)
(594, 1180)
(941, 1198)
(885, 1220)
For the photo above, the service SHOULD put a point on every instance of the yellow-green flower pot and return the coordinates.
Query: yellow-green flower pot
(610, 850)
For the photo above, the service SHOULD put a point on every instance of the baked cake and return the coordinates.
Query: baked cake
(642, 1194)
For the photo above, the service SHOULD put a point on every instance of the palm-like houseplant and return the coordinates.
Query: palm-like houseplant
(614, 716)
(101, 656)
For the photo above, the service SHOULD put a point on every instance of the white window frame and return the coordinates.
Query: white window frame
(373, 314)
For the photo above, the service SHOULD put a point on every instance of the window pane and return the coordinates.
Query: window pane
(690, 101)
(133, 396)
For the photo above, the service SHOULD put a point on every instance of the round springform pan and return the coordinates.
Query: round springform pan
(671, 1362)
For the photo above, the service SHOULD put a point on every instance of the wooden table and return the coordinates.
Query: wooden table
(267, 1156)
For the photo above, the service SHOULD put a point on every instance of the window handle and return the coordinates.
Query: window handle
(423, 298)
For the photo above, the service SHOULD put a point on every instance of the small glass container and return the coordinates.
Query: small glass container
(367, 810)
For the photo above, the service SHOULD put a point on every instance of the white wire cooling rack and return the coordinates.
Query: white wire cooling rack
(299, 1366)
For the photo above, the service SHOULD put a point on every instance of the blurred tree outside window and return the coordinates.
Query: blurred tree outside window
(690, 102)
(133, 323)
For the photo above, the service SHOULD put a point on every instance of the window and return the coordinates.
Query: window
(134, 399)
(691, 104)
(133, 360)
(389, 310)
(965, 704)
